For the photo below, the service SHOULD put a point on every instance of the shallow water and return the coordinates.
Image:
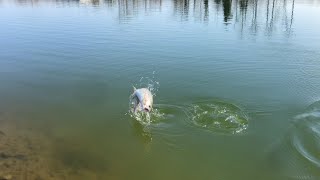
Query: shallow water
(236, 85)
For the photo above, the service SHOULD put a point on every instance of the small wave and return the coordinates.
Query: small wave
(306, 134)
(162, 124)
(218, 117)
(296, 155)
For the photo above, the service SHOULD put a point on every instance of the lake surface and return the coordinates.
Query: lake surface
(236, 85)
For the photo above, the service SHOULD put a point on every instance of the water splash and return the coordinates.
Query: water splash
(149, 83)
(218, 117)
(142, 117)
(146, 118)
(215, 116)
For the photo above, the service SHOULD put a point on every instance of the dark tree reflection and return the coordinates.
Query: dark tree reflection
(253, 16)
(181, 7)
(227, 9)
(243, 5)
(206, 9)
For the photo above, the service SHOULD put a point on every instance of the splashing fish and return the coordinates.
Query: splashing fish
(143, 100)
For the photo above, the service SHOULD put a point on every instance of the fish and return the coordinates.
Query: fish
(143, 100)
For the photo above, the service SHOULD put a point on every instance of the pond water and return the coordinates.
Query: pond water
(236, 85)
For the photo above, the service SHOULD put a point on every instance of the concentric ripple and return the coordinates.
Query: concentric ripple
(297, 154)
(161, 126)
(218, 117)
(306, 134)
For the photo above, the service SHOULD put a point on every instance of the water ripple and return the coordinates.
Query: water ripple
(218, 117)
(296, 156)
(306, 134)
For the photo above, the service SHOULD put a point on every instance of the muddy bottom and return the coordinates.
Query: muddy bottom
(27, 154)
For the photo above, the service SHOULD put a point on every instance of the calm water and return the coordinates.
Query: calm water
(236, 85)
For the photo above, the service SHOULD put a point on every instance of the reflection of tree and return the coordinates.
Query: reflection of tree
(201, 10)
(227, 9)
(226, 4)
(206, 9)
(245, 15)
(35, 2)
(93, 2)
(272, 15)
(111, 3)
(275, 14)
(292, 9)
(129, 8)
(182, 8)
(254, 24)
(126, 8)
(31, 2)
(243, 5)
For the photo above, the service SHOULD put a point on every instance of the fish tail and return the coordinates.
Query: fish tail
(133, 93)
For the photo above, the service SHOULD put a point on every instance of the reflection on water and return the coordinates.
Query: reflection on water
(67, 68)
(93, 2)
(266, 16)
(254, 13)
